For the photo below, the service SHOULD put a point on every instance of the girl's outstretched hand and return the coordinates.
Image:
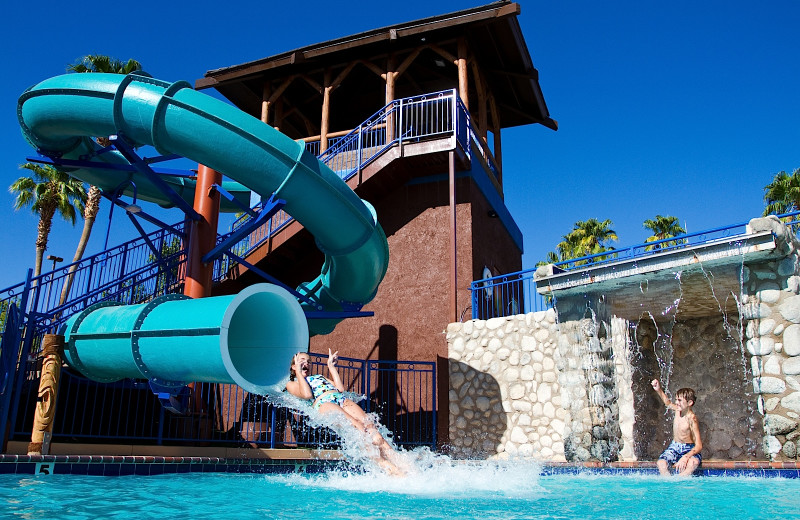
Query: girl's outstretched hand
(332, 358)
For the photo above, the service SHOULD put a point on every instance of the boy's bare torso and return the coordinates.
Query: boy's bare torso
(682, 427)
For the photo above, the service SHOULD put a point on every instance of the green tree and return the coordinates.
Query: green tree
(662, 228)
(46, 192)
(167, 278)
(590, 236)
(551, 258)
(586, 238)
(93, 63)
(102, 63)
(782, 195)
(569, 247)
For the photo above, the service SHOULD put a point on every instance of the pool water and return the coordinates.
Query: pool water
(442, 490)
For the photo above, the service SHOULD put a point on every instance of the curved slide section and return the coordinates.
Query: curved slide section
(247, 339)
(60, 115)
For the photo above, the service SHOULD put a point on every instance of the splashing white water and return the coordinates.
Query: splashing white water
(357, 447)
(431, 474)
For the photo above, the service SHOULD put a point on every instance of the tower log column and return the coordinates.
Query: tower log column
(326, 112)
(463, 84)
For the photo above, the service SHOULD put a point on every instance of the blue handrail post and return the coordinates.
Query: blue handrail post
(27, 328)
(89, 275)
(360, 150)
(121, 272)
(434, 400)
(401, 122)
(161, 420)
(454, 117)
(272, 426)
(474, 304)
(366, 381)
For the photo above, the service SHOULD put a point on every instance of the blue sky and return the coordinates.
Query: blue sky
(675, 108)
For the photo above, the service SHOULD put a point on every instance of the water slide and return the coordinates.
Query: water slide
(249, 338)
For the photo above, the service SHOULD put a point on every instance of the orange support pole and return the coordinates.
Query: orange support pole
(203, 234)
(202, 239)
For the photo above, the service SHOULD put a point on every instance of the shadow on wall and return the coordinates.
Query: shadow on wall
(699, 353)
(477, 419)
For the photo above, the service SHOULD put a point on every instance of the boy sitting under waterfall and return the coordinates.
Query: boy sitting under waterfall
(684, 450)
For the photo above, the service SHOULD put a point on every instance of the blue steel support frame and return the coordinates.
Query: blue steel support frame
(27, 327)
(270, 207)
(143, 167)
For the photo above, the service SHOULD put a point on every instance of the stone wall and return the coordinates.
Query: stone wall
(580, 390)
(703, 354)
(576, 386)
(518, 388)
(771, 306)
(505, 397)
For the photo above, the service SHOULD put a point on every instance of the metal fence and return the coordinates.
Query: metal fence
(506, 295)
(133, 272)
(515, 293)
(401, 393)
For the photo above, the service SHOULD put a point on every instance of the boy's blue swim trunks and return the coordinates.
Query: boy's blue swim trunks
(676, 450)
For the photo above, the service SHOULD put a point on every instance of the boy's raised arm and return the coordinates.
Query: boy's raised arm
(657, 387)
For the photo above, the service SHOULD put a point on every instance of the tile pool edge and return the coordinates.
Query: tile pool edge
(314, 462)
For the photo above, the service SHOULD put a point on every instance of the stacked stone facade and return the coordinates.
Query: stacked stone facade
(573, 386)
(771, 306)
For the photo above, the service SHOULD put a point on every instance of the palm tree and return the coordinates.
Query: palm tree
(93, 63)
(663, 227)
(592, 235)
(101, 63)
(47, 192)
(586, 238)
(782, 195)
(569, 247)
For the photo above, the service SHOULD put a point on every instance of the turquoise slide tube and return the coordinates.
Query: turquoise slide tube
(248, 339)
(59, 116)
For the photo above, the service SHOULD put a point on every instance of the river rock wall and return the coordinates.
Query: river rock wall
(518, 387)
(574, 387)
(771, 308)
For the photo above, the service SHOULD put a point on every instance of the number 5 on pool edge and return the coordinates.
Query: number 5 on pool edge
(45, 468)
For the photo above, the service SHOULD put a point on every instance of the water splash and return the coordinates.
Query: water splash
(356, 447)
(433, 475)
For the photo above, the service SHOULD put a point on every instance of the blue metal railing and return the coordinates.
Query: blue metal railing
(128, 411)
(515, 293)
(315, 146)
(506, 295)
(133, 272)
(403, 121)
(667, 244)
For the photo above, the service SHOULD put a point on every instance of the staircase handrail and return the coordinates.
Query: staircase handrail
(391, 117)
(92, 280)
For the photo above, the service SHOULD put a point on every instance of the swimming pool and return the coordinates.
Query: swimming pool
(443, 490)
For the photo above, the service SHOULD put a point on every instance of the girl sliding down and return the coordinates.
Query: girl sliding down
(327, 398)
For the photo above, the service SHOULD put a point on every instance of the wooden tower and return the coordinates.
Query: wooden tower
(439, 199)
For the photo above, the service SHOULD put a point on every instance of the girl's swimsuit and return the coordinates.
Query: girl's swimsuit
(324, 391)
